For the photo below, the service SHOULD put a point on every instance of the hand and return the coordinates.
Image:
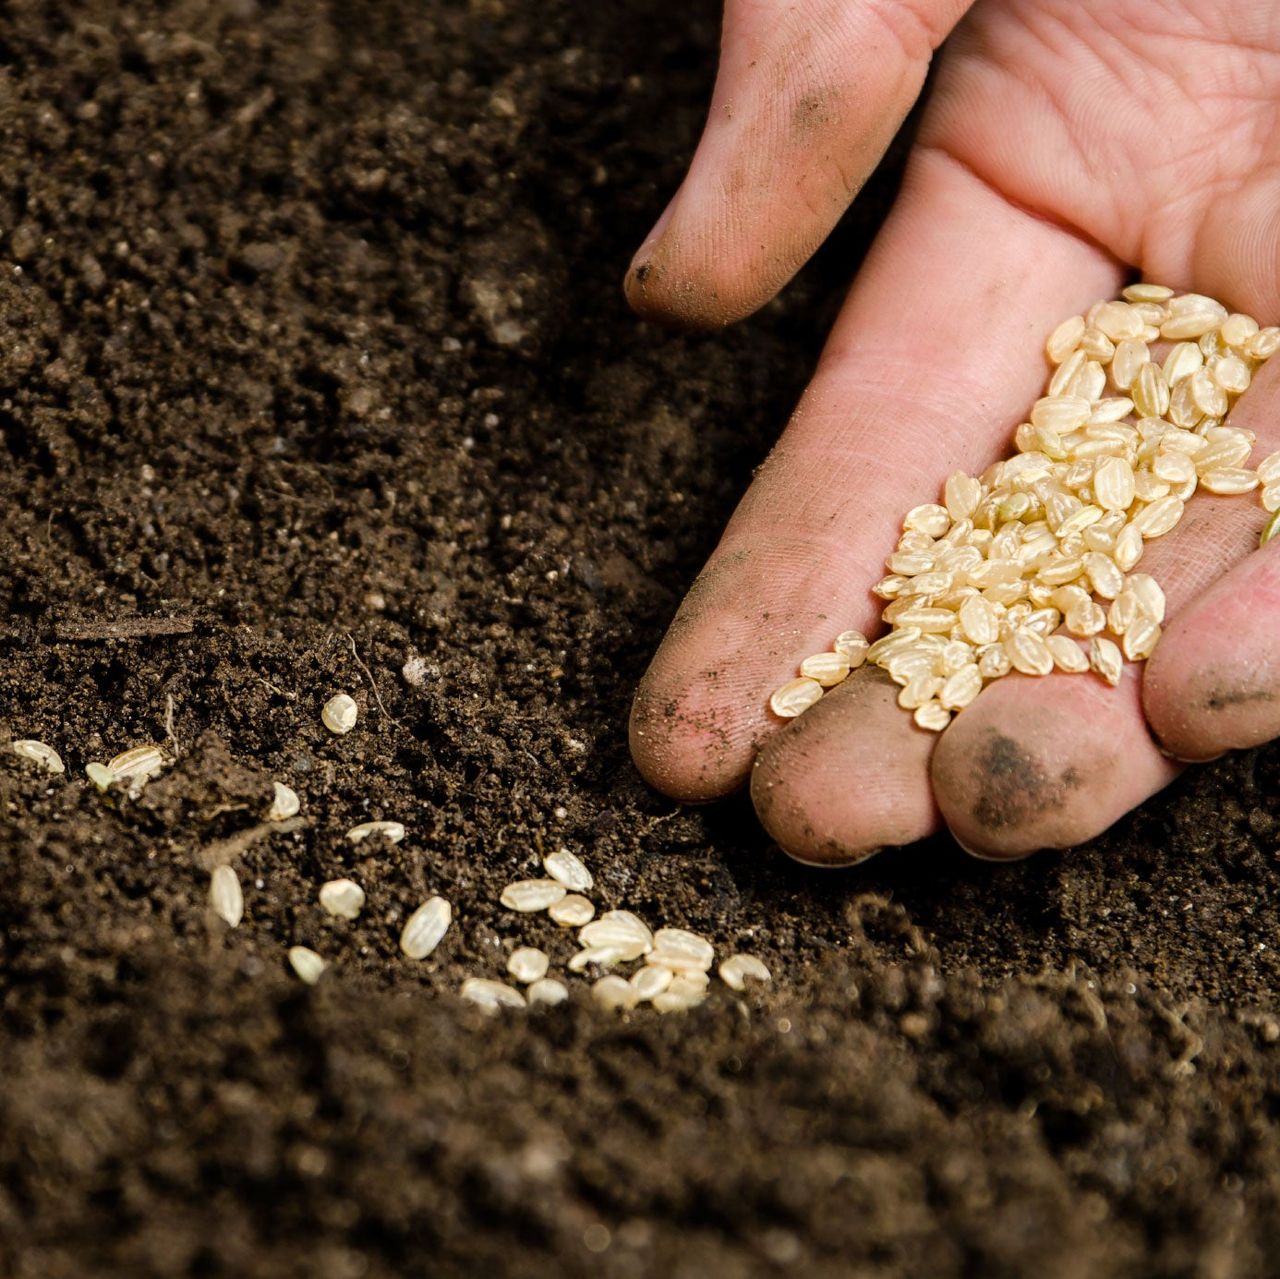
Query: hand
(1069, 144)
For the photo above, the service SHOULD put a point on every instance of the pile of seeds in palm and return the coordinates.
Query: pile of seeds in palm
(1030, 567)
(674, 964)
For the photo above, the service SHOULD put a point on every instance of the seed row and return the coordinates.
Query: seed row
(1024, 567)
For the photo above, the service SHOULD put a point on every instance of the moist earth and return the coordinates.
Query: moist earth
(314, 364)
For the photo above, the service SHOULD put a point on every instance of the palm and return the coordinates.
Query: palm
(1066, 144)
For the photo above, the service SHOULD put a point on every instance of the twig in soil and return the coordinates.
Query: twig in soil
(125, 628)
(225, 851)
(368, 674)
(168, 724)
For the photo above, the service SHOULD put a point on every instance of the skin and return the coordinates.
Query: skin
(1068, 146)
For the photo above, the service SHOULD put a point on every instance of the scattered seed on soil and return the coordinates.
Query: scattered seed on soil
(572, 911)
(527, 964)
(392, 832)
(619, 930)
(738, 969)
(426, 927)
(100, 775)
(650, 981)
(342, 897)
(565, 867)
(673, 1001)
(137, 766)
(225, 896)
(795, 697)
(529, 895)
(339, 714)
(601, 956)
(547, 991)
(307, 964)
(491, 995)
(680, 941)
(38, 753)
(285, 804)
(614, 992)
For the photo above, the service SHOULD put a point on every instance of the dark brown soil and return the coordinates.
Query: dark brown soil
(313, 354)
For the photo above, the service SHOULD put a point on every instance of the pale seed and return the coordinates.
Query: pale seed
(1105, 659)
(547, 991)
(572, 911)
(285, 804)
(528, 895)
(738, 969)
(795, 697)
(568, 869)
(932, 716)
(339, 714)
(852, 646)
(614, 992)
(425, 928)
(38, 753)
(225, 896)
(829, 669)
(490, 995)
(527, 964)
(306, 963)
(392, 832)
(343, 898)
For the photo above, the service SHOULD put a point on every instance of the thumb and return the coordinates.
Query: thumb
(807, 99)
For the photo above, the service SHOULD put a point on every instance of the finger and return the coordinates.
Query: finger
(1213, 683)
(807, 99)
(1052, 762)
(927, 370)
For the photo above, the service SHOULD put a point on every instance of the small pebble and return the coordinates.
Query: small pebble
(225, 896)
(527, 964)
(342, 897)
(307, 964)
(38, 753)
(339, 714)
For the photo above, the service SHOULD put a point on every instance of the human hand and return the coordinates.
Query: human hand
(1068, 144)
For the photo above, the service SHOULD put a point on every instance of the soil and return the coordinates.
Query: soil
(313, 361)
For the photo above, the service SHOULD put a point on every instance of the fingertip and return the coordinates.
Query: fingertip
(846, 779)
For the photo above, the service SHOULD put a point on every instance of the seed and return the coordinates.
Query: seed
(1272, 525)
(1232, 374)
(603, 956)
(1146, 590)
(1193, 320)
(1131, 356)
(1118, 320)
(737, 969)
(528, 895)
(614, 992)
(677, 1001)
(426, 927)
(650, 981)
(993, 663)
(567, 869)
(100, 775)
(138, 766)
(285, 804)
(38, 753)
(339, 714)
(306, 963)
(1107, 579)
(1140, 640)
(1028, 652)
(795, 697)
(342, 897)
(961, 495)
(1084, 620)
(1104, 657)
(1174, 468)
(1158, 518)
(961, 688)
(572, 911)
(929, 518)
(392, 832)
(1269, 469)
(547, 991)
(225, 896)
(681, 943)
(527, 964)
(1144, 292)
(1271, 497)
(1095, 345)
(1264, 344)
(607, 934)
(490, 995)
(1237, 329)
(852, 646)
(1109, 413)
(894, 642)
(829, 669)
(1151, 391)
(932, 716)
(1113, 484)
(918, 691)
(1065, 338)
(1229, 480)
(1208, 396)
(1067, 654)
